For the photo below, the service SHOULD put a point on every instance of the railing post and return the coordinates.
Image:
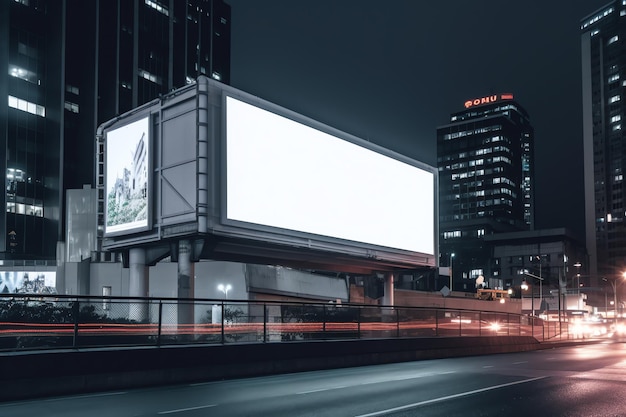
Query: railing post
(223, 337)
(397, 323)
(460, 324)
(480, 323)
(324, 321)
(75, 312)
(508, 324)
(358, 322)
(265, 318)
(436, 323)
(160, 318)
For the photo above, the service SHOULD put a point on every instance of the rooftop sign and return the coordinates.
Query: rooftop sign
(487, 100)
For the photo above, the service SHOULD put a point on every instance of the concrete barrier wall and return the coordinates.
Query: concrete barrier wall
(53, 373)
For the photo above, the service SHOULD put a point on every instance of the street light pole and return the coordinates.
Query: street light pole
(614, 284)
(450, 265)
(578, 265)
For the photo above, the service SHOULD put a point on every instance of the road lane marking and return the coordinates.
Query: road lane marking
(448, 397)
(519, 363)
(487, 366)
(182, 410)
(377, 381)
(319, 390)
(73, 397)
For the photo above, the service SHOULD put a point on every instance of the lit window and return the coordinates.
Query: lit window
(613, 78)
(619, 178)
(613, 39)
(595, 32)
(481, 232)
(616, 118)
(150, 77)
(216, 75)
(617, 127)
(72, 89)
(27, 106)
(156, 6)
(24, 2)
(23, 74)
(614, 99)
(73, 107)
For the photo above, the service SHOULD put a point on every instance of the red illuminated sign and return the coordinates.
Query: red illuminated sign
(487, 100)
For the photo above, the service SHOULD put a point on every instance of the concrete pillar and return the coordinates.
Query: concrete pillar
(138, 283)
(388, 298)
(185, 282)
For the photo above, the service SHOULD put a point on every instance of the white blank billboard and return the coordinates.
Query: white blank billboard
(284, 174)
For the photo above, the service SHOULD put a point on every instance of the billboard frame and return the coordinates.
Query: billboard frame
(305, 240)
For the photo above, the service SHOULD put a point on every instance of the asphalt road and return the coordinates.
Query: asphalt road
(584, 381)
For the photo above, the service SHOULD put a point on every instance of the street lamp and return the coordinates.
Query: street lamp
(524, 287)
(224, 288)
(578, 265)
(532, 294)
(615, 284)
(450, 266)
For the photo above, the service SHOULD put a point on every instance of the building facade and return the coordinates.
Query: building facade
(485, 162)
(73, 64)
(603, 47)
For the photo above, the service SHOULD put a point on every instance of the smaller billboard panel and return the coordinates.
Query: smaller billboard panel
(127, 182)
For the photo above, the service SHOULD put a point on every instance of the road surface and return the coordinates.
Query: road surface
(586, 380)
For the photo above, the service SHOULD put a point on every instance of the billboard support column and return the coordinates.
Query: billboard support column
(388, 298)
(185, 282)
(138, 285)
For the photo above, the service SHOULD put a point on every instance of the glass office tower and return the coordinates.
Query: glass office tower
(485, 162)
(603, 34)
(71, 65)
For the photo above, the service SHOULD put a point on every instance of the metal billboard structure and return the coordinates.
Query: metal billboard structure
(242, 179)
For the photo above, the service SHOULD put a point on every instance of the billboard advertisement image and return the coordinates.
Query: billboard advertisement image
(285, 174)
(127, 177)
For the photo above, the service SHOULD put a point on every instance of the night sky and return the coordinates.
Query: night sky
(392, 71)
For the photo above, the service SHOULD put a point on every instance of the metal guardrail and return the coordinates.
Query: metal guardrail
(33, 322)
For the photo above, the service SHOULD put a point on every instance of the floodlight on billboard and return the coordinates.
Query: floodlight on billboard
(127, 179)
(287, 175)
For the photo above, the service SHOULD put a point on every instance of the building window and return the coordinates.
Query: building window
(150, 77)
(613, 78)
(617, 127)
(72, 89)
(453, 234)
(613, 39)
(156, 6)
(27, 106)
(616, 118)
(73, 107)
(23, 74)
(614, 99)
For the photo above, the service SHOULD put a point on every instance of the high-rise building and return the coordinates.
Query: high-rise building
(73, 64)
(603, 47)
(485, 162)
